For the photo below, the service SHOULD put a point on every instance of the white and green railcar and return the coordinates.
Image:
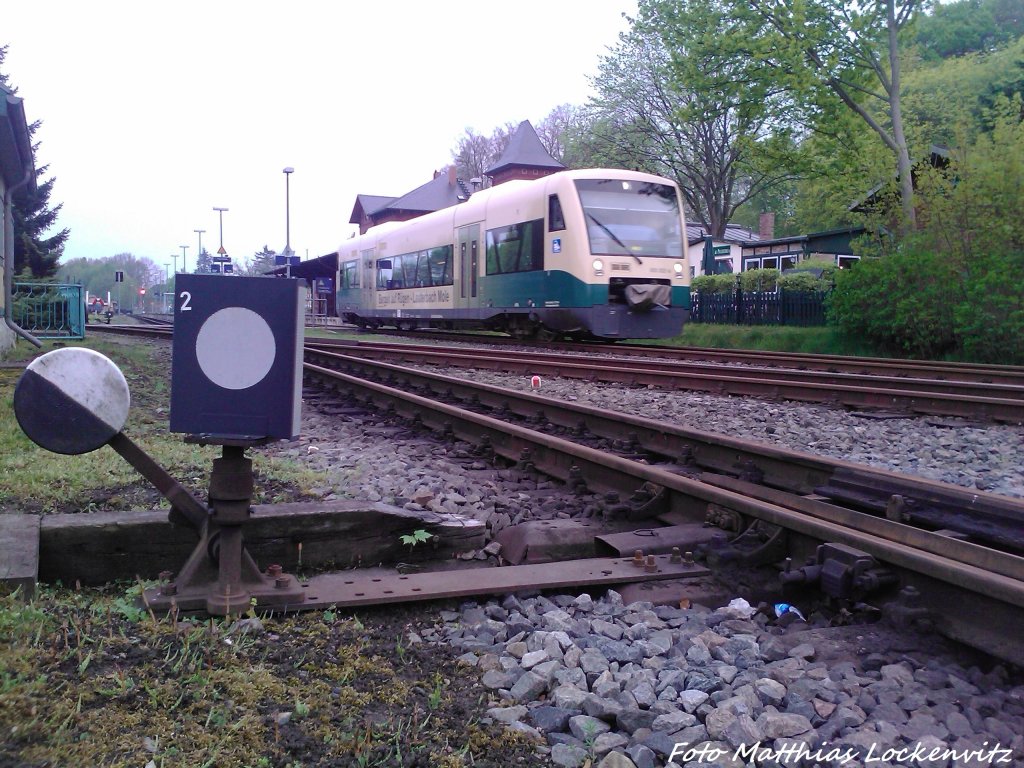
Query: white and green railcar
(593, 253)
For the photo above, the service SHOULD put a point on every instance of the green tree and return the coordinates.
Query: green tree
(668, 104)
(955, 284)
(36, 255)
(827, 55)
(968, 26)
(260, 263)
(203, 263)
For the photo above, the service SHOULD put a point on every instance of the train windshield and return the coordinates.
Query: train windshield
(631, 218)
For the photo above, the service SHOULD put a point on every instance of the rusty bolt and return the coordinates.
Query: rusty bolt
(170, 588)
(688, 558)
(676, 557)
(165, 575)
(274, 570)
(652, 564)
(638, 558)
(281, 582)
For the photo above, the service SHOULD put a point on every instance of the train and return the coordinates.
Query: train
(581, 254)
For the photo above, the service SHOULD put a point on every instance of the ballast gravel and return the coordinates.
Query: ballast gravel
(609, 685)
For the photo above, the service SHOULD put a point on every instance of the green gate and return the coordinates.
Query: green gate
(49, 310)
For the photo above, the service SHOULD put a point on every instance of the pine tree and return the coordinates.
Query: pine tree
(35, 255)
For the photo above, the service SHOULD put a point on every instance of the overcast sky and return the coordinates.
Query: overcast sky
(155, 113)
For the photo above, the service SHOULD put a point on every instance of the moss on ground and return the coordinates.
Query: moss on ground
(89, 678)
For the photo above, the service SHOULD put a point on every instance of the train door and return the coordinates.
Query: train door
(367, 281)
(468, 255)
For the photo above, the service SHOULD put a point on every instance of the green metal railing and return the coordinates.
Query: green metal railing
(49, 310)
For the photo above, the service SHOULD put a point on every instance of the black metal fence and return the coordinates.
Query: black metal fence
(779, 307)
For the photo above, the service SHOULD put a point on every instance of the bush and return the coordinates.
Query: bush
(903, 303)
(759, 279)
(714, 283)
(803, 281)
(990, 319)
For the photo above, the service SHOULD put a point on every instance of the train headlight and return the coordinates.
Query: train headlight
(598, 267)
(678, 269)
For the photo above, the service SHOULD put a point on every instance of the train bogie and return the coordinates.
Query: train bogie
(596, 253)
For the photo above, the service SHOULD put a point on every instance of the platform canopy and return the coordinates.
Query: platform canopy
(322, 266)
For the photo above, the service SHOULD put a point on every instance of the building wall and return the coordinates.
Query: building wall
(6, 334)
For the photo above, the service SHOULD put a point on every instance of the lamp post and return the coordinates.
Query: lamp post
(200, 251)
(175, 257)
(167, 285)
(287, 212)
(221, 251)
(184, 267)
(287, 222)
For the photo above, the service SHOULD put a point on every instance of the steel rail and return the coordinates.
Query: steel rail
(645, 371)
(965, 587)
(726, 381)
(982, 372)
(795, 471)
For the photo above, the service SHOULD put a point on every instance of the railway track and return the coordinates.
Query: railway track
(1001, 401)
(875, 366)
(795, 497)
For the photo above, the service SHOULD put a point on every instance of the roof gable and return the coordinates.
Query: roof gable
(524, 149)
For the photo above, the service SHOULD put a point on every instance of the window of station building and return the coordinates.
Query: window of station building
(350, 274)
(556, 221)
(516, 248)
(419, 269)
(845, 262)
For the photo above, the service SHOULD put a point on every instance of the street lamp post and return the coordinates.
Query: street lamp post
(287, 222)
(200, 251)
(175, 257)
(221, 251)
(167, 285)
(184, 263)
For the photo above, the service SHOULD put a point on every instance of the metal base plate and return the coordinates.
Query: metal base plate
(350, 589)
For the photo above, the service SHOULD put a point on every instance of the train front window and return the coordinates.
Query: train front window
(631, 218)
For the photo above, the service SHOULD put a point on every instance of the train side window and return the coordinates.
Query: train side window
(556, 221)
(515, 248)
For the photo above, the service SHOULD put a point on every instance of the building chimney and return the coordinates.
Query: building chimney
(451, 176)
(766, 226)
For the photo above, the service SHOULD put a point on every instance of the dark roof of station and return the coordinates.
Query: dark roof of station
(369, 204)
(525, 149)
(15, 143)
(322, 266)
(435, 195)
(733, 233)
(835, 241)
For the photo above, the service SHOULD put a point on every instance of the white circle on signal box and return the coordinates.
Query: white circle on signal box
(235, 348)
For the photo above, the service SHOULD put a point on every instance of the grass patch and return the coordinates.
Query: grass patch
(88, 679)
(770, 338)
(35, 480)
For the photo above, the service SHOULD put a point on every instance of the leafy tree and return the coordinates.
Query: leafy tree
(475, 153)
(968, 26)
(97, 276)
(556, 129)
(666, 105)
(950, 101)
(261, 263)
(828, 54)
(954, 285)
(203, 263)
(35, 254)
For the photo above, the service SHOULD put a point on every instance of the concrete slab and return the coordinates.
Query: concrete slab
(19, 553)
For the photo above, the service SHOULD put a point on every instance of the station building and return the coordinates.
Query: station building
(17, 171)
